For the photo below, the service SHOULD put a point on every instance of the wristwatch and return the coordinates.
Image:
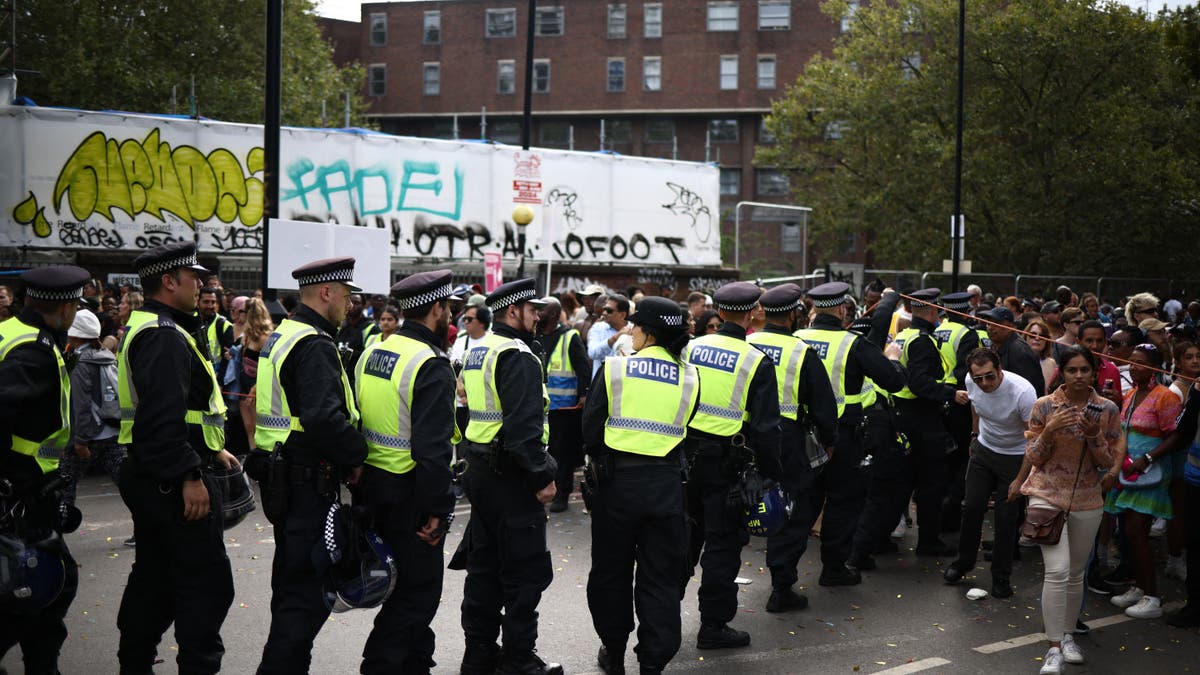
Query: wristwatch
(194, 474)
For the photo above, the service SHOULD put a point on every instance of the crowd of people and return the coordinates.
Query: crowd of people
(685, 417)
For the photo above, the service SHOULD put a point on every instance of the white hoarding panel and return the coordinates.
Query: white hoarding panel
(300, 242)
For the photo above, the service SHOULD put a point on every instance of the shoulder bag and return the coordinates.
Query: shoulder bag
(1044, 522)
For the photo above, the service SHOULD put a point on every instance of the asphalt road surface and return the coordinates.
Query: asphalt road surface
(902, 619)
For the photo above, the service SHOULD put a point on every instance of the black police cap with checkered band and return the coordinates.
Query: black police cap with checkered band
(782, 299)
(168, 258)
(925, 296)
(423, 288)
(830, 294)
(327, 270)
(61, 283)
(513, 292)
(659, 312)
(739, 296)
(957, 301)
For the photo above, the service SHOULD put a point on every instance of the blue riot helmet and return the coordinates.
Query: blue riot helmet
(770, 513)
(364, 579)
(32, 574)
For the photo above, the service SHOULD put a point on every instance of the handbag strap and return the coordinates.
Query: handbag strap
(1078, 470)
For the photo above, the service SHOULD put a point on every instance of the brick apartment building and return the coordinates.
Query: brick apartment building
(684, 79)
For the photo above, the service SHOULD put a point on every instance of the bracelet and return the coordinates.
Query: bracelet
(1149, 458)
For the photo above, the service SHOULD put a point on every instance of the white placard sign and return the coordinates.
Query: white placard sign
(299, 242)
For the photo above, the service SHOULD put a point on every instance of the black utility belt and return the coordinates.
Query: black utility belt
(622, 460)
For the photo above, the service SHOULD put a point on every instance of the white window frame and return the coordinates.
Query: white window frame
(652, 29)
(618, 21)
(499, 11)
(774, 20)
(734, 171)
(512, 76)
(431, 86)
(726, 60)
(426, 24)
(767, 82)
(652, 68)
(848, 17)
(719, 123)
(722, 24)
(608, 74)
(764, 134)
(371, 81)
(911, 65)
(539, 25)
(536, 64)
(383, 19)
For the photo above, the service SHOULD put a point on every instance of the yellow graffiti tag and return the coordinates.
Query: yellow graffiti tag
(151, 178)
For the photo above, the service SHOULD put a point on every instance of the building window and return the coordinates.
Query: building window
(556, 133)
(377, 79)
(548, 21)
(652, 73)
(911, 65)
(432, 31)
(505, 131)
(722, 16)
(771, 183)
(616, 21)
(660, 131)
(766, 72)
(834, 130)
(500, 23)
(541, 76)
(789, 238)
(506, 77)
(731, 182)
(848, 17)
(729, 72)
(652, 19)
(378, 30)
(438, 129)
(774, 14)
(431, 79)
(764, 133)
(723, 130)
(618, 131)
(616, 74)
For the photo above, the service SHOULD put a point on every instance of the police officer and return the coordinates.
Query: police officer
(405, 392)
(855, 368)
(216, 330)
(35, 425)
(307, 438)
(565, 357)
(634, 424)
(738, 413)
(956, 339)
(509, 479)
(919, 415)
(805, 398)
(173, 423)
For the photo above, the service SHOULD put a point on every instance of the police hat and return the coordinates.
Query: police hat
(424, 288)
(957, 301)
(513, 293)
(658, 312)
(781, 299)
(829, 294)
(861, 326)
(167, 258)
(739, 296)
(925, 296)
(61, 283)
(327, 270)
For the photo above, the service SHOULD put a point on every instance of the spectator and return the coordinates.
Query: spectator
(709, 322)
(595, 311)
(130, 303)
(1187, 365)
(6, 303)
(95, 411)
(1013, 303)
(1065, 297)
(1187, 443)
(696, 305)
(1015, 355)
(1193, 314)
(1139, 307)
(1052, 315)
(1090, 305)
(242, 374)
(587, 300)
(976, 298)
(388, 320)
(1156, 334)
(1072, 319)
(1038, 339)
(477, 323)
(1108, 378)
(1172, 308)
(237, 312)
(1120, 346)
(602, 338)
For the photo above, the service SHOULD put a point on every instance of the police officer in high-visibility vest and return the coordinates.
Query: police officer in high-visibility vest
(738, 412)
(509, 480)
(405, 392)
(635, 421)
(216, 330)
(805, 398)
(919, 415)
(306, 433)
(956, 339)
(851, 363)
(173, 422)
(567, 379)
(35, 426)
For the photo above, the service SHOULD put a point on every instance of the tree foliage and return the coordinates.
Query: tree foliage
(129, 54)
(1079, 147)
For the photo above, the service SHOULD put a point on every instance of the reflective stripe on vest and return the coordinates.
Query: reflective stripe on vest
(906, 337)
(949, 336)
(725, 366)
(47, 451)
(213, 335)
(787, 353)
(833, 346)
(650, 398)
(485, 414)
(562, 383)
(384, 380)
(211, 421)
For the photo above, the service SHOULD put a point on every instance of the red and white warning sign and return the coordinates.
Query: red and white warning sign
(527, 178)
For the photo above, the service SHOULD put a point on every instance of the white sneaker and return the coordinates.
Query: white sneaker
(1149, 607)
(1070, 649)
(1177, 568)
(1158, 528)
(1129, 598)
(900, 530)
(1053, 663)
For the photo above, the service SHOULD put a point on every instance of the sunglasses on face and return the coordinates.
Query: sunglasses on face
(712, 326)
(469, 319)
(986, 377)
(610, 310)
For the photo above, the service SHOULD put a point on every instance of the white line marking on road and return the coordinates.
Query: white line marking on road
(915, 666)
(1034, 638)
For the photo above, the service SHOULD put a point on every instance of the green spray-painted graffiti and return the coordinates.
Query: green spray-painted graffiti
(149, 177)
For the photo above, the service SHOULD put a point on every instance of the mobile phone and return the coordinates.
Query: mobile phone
(1108, 384)
(1094, 410)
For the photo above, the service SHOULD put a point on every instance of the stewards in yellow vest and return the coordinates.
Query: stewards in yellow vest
(736, 420)
(405, 386)
(509, 480)
(805, 402)
(216, 330)
(635, 421)
(307, 432)
(173, 422)
(567, 378)
(35, 426)
(956, 339)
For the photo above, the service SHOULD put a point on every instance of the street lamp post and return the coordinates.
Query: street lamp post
(956, 220)
(522, 216)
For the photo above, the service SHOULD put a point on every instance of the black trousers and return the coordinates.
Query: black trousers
(181, 575)
(638, 517)
(41, 633)
(957, 421)
(1191, 498)
(929, 442)
(298, 609)
(566, 446)
(889, 483)
(990, 473)
(717, 533)
(507, 562)
(402, 640)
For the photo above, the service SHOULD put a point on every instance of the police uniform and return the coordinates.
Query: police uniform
(805, 398)
(857, 368)
(173, 424)
(218, 336)
(567, 379)
(504, 547)
(956, 340)
(919, 415)
(405, 390)
(739, 405)
(35, 426)
(306, 412)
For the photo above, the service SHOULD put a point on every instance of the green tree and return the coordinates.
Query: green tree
(129, 54)
(1078, 146)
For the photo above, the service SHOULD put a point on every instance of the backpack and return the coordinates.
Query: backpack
(104, 394)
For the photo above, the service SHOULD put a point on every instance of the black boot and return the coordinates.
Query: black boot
(839, 575)
(526, 663)
(720, 636)
(480, 658)
(936, 549)
(785, 599)
(611, 659)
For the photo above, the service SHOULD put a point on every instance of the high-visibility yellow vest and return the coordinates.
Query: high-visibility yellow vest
(905, 339)
(384, 380)
(45, 451)
(984, 340)
(562, 382)
(949, 336)
(833, 346)
(275, 422)
(210, 420)
(651, 396)
(725, 366)
(485, 412)
(787, 353)
(213, 334)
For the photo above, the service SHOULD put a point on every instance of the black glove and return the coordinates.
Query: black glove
(257, 465)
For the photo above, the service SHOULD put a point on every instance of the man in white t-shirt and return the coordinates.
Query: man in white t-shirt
(1000, 404)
